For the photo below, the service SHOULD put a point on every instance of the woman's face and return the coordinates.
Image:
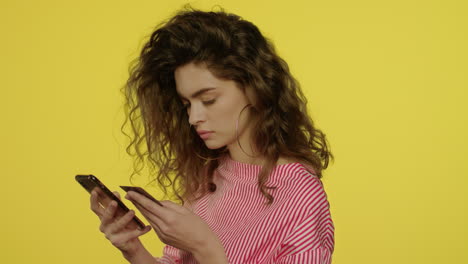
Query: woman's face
(213, 106)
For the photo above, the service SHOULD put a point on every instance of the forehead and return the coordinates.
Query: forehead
(192, 77)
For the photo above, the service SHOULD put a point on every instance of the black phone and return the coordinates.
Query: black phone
(142, 192)
(105, 196)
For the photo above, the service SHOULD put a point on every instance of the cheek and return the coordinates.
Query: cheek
(224, 117)
(225, 113)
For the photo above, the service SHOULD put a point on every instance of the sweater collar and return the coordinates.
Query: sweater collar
(246, 172)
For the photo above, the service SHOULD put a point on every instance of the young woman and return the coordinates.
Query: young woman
(218, 113)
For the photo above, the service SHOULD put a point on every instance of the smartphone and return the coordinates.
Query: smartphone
(142, 192)
(105, 196)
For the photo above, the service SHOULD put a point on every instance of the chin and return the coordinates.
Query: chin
(213, 145)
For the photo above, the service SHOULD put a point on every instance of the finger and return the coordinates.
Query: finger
(158, 231)
(159, 215)
(147, 214)
(173, 206)
(123, 237)
(151, 218)
(122, 222)
(116, 193)
(95, 206)
(109, 213)
(146, 203)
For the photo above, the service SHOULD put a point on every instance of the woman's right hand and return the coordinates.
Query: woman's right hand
(116, 229)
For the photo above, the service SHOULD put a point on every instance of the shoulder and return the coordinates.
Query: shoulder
(285, 161)
(291, 172)
(298, 185)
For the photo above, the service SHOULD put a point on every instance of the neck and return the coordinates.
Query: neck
(242, 149)
(237, 154)
(246, 153)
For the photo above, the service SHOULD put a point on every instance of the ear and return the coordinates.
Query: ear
(252, 98)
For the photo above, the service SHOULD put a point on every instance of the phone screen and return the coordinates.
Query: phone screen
(105, 196)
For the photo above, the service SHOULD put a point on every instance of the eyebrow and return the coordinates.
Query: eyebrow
(199, 92)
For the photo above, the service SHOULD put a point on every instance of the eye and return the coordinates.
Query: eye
(185, 106)
(209, 102)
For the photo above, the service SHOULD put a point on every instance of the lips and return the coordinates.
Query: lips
(200, 132)
(204, 134)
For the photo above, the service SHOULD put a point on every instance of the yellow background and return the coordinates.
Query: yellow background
(386, 80)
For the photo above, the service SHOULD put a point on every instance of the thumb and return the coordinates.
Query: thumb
(116, 193)
(146, 230)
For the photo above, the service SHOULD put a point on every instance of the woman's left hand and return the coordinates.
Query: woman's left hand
(177, 226)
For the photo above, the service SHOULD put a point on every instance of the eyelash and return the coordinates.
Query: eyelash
(209, 102)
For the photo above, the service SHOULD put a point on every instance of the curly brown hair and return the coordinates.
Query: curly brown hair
(233, 49)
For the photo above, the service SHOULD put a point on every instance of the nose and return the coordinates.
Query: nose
(196, 115)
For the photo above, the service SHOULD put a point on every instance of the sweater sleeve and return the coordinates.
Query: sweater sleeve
(166, 260)
(172, 255)
(314, 256)
(312, 240)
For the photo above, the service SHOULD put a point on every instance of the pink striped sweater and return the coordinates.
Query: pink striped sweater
(295, 228)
